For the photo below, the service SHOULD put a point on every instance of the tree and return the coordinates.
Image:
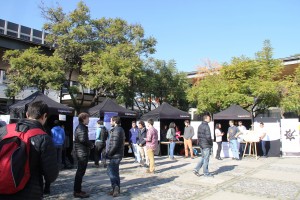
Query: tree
(241, 82)
(112, 72)
(76, 37)
(164, 83)
(32, 68)
(290, 91)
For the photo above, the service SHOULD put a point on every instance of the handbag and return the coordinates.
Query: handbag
(129, 150)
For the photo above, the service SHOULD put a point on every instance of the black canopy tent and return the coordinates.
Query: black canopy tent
(19, 109)
(165, 113)
(109, 105)
(234, 112)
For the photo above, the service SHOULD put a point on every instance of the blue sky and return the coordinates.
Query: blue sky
(190, 31)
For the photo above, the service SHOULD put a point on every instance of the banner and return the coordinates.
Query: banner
(92, 126)
(4, 119)
(107, 117)
(290, 137)
(272, 130)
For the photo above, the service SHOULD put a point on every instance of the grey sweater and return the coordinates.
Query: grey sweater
(188, 132)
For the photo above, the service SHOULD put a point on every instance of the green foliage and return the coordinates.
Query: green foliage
(240, 82)
(104, 52)
(31, 68)
(162, 81)
(113, 71)
(290, 91)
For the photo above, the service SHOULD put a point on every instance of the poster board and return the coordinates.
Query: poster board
(290, 138)
(4, 119)
(92, 126)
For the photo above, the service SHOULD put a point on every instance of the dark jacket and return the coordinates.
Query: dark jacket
(81, 142)
(141, 135)
(43, 162)
(104, 134)
(116, 143)
(204, 136)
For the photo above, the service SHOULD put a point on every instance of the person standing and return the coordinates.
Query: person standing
(163, 133)
(187, 137)
(100, 143)
(58, 138)
(42, 154)
(241, 130)
(262, 137)
(133, 135)
(142, 144)
(171, 136)
(219, 135)
(82, 150)
(232, 138)
(151, 144)
(206, 143)
(115, 154)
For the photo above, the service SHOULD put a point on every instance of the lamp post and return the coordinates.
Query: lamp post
(252, 112)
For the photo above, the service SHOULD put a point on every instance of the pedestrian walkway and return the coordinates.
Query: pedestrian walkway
(265, 178)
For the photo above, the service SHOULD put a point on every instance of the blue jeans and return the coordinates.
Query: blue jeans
(263, 147)
(136, 152)
(234, 148)
(172, 147)
(204, 160)
(113, 172)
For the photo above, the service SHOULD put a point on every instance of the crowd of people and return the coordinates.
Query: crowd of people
(48, 151)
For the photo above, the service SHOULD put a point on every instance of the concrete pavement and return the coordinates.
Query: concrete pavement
(265, 178)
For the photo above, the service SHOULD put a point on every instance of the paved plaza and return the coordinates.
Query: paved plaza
(265, 178)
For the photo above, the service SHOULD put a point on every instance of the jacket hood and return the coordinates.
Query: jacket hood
(25, 124)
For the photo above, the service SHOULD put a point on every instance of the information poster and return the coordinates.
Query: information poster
(290, 137)
(92, 126)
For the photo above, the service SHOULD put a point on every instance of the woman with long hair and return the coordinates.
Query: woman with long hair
(171, 136)
(219, 135)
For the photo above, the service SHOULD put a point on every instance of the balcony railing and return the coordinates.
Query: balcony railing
(22, 32)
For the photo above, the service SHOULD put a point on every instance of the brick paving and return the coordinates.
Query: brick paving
(265, 178)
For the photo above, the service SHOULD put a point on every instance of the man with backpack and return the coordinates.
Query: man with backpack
(40, 162)
(100, 143)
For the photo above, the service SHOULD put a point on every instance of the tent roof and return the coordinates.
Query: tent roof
(234, 112)
(54, 107)
(109, 105)
(166, 111)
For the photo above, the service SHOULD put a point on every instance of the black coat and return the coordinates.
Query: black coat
(82, 145)
(43, 162)
(204, 136)
(116, 143)
(142, 134)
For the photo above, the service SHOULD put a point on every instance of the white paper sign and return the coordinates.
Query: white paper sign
(92, 126)
(290, 137)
